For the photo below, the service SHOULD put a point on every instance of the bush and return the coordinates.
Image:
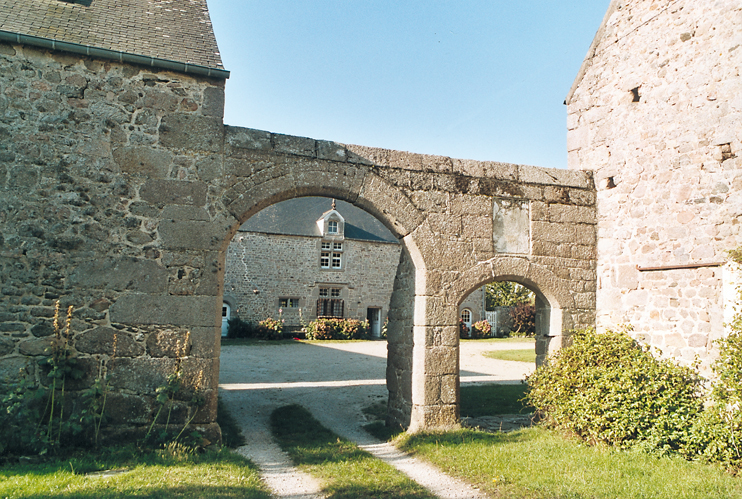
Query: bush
(269, 329)
(607, 388)
(337, 329)
(523, 317)
(237, 328)
(717, 435)
(481, 329)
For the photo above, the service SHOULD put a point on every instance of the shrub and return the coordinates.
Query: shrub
(237, 328)
(337, 329)
(607, 388)
(271, 329)
(523, 317)
(464, 332)
(481, 329)
(717, 435)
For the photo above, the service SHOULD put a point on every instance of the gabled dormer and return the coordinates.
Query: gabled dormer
(332, 224)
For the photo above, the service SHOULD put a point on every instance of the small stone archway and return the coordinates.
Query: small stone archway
(554, 303)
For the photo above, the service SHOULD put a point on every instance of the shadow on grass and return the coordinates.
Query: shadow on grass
(493, 400)
(347, 471)
(465, 436)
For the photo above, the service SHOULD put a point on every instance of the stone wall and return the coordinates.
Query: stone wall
(288, 266)
(91, 170)
(121, 190)
(656, 113)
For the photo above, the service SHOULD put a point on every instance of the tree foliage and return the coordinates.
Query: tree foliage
(507, 294)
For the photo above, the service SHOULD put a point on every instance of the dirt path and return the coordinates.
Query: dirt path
(334, 381)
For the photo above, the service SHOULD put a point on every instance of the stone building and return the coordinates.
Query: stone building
(656, 114)
(311, 257)
(121, 189)
(107, 118)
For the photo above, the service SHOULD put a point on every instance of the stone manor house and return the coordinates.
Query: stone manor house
(300, 261)
(307, 258)
(121, 189)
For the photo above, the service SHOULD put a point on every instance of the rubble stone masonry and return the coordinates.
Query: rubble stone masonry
(120, 189)
(91, 175)
(656, 113)
(288, 266)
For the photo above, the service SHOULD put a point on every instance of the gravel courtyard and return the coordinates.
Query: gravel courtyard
(334, 381)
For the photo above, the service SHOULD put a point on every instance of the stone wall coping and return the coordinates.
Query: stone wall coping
(260, 140)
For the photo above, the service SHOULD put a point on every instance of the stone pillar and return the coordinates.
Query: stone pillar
(435, 365)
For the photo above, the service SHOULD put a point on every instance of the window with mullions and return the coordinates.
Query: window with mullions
(330, 307)
(288, 302)
(332, 227)
(331, 259)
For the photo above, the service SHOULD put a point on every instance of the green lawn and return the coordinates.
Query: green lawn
(520, 355)
(129, 473)
(493, 399)
(346, 471)
(538, 464)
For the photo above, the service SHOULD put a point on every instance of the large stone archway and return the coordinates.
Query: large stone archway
(130, 225)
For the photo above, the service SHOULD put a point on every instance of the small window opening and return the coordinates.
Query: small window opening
(610, 183)
(726, 152)
(332, 227)
(635, 97)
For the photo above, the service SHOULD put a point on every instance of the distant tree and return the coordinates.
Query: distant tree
(507, 294)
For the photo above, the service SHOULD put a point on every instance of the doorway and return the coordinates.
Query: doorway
(373, 316)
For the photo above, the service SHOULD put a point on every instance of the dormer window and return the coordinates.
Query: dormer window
(332, 227)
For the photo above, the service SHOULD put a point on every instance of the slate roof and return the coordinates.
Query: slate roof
(174, 30)
(298, 217)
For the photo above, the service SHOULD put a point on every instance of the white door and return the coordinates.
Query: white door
(373, 315)
(466, 319)
(225, 317)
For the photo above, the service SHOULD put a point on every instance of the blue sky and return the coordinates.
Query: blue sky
(480, 79)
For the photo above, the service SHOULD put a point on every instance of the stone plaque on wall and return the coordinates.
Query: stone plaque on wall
(511, 226)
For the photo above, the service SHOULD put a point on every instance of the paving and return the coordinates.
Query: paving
(334, 381)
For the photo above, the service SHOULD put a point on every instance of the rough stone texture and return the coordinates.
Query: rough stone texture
(85, 182)
(656, 113)
(121, 190)
(282, 266)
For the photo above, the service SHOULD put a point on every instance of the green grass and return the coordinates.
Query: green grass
(503, 340)
(214, 474)
(537, 464)
(346, 471)
(492, 400)
(332, 342)
(521, 355)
